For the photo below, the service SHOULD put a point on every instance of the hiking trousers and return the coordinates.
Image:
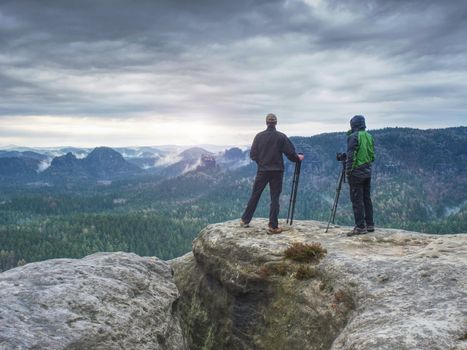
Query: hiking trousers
(361, 201)
(274, 179)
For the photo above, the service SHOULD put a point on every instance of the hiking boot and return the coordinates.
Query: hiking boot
(370, 228)
(275, 231)
(244, 224)
(357, 231)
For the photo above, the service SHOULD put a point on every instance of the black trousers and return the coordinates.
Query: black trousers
(274, 179)
(361, 201)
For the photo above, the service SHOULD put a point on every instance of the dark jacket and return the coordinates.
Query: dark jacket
(268, 147)
(360, 149)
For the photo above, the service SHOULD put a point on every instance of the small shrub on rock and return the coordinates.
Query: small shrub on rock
(264, 271)
(304, 272)
(342, 297)
(304, 252)
(281, 269)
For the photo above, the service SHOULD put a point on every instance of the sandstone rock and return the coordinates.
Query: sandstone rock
(104, 301)
(390, 289)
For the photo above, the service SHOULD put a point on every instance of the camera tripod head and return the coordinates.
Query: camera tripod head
(341, 156)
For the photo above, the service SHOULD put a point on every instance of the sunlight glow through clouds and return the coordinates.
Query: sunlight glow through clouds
(48, 131)
(85, 132)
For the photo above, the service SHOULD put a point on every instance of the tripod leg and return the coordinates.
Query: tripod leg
(339, 187)
(331, 216)
(336, 199)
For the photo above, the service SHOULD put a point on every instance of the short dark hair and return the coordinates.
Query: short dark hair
(271, 119)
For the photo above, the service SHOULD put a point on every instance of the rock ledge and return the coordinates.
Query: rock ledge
(390, 289)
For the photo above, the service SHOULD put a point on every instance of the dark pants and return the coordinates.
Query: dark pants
(361, 201)
(274, 179)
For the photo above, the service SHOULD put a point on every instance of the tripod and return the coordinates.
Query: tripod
(336, 197)
(293, 194)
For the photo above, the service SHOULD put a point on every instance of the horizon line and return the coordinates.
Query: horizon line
(12, 146)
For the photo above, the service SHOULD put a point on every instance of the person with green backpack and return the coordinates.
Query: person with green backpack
(360, 156)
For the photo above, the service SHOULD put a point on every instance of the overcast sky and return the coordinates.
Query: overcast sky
(121, 72)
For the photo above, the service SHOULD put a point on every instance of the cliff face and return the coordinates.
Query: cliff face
(386, 290)
(104, 301)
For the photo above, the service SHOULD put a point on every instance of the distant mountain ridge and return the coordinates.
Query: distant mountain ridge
(24, 154)
(101, 163)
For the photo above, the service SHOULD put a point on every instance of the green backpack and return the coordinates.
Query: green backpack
(365, 152)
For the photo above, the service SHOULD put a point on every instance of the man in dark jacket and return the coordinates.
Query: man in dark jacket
(360, 156)
(266, 150)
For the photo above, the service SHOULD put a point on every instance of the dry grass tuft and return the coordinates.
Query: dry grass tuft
(267, 270)
(304, 252)
(280, 269)
(305, 272)
(341, 297)
(264, 272)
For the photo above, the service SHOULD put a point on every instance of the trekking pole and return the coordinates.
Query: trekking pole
(293, 194)
(336, 197)
(298, 165)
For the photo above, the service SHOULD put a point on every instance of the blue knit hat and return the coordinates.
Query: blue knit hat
(357, 122)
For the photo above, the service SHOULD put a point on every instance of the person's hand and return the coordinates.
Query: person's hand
(301, 157)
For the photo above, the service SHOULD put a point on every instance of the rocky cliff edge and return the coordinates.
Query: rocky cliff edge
(390, 289)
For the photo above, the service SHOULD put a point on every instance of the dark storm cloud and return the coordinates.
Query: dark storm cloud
(227, 61)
